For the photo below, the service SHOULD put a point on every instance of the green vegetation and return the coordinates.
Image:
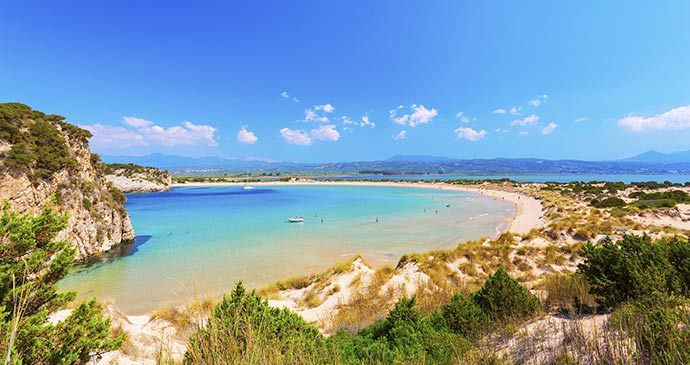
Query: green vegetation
(659, 199)
(31, 263)
(38, 146)
(646, 286)
(608, 194)
(244, 329)
(635, 267)
(643, 284)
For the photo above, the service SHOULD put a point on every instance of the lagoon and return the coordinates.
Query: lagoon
(198, 241)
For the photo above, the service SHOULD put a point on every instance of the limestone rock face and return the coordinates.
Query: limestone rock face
(132, 178)
(76, 186)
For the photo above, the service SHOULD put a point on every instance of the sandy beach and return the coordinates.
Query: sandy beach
(529, 211)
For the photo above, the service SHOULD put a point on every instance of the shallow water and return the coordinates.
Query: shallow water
(197, 241)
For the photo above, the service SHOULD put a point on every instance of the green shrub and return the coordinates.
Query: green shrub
(504, 300)
(658, 326)
(463, 316)
(632, 268)
(245, 329)
(404, 336)
(609, 202)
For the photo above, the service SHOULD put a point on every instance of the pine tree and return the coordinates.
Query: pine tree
(31, 264)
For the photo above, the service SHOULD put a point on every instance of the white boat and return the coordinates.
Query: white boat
(296, 219)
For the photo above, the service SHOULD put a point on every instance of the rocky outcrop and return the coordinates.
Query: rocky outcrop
(49, 164)
(132, 178)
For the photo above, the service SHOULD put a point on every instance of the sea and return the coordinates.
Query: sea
(196, 242)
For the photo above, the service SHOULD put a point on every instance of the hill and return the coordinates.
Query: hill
(46, 162)
(404, 164)
(652, 156)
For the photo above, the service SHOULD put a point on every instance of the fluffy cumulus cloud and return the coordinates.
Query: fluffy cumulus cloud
(462, 117)
(246, 137)
(296, 137)
(318, 113)
(328, 108)
(538, 100)
(530, 120)
(401, 135)
(672, 120)
(106, 136)
(549, 128)
(500, 111)
(365, 122)
(136, 122)
(413, 115)
(470, 134)
(515, 111)
(142, 132)
(325, 133)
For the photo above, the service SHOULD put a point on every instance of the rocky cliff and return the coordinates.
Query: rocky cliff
(46, 162)
(134, 178)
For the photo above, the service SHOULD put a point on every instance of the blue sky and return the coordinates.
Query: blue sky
(357, 80)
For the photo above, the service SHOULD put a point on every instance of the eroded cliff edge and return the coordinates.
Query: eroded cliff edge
(46, 162)
(131, 178)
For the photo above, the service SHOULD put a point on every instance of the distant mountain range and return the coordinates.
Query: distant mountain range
(660, 157)
(651, 162)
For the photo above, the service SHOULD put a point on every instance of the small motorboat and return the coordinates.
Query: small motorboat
(296, 219)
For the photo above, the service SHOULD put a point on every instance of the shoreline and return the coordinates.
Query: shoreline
(528, 210)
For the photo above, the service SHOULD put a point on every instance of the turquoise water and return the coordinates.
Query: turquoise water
(197, 241)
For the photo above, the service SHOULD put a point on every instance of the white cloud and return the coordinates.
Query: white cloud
(470, 134)
(187, 134)
(317, 113)
(538, 100)
(523, 133)
(532, 119)
(580, 120)
(462, 117)
(401, 135)
(311, 116)
(286, 96)
(364, 123)
(136, 122)
(673, 120)
(328, 108)
(417, 114)
(142, 132)
(325, 133)
(549, 128)
(500, 111)
(515, 111)
(105, 136)
(300, 138)
(499, 130)
(246, 137)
